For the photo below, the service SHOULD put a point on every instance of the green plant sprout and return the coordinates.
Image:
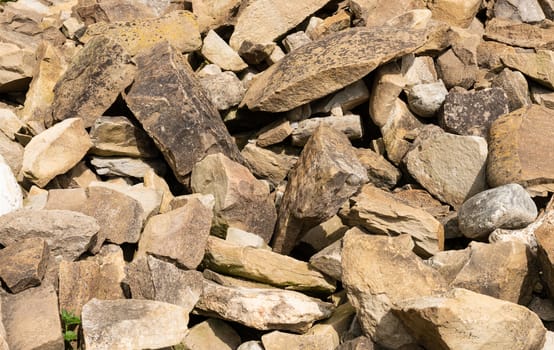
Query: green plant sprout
(70, 322)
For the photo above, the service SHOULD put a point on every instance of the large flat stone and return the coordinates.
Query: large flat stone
(170, 104)
(520, 34)
(537, 65)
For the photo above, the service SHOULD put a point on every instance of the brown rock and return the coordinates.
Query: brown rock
(376, 13)
(274, 134)
(349, 124)
(267, 164)
(455, 72)
(380, 172)
(519, 34)
(455, 12)
(279, 340)
(66, 199)
(490, 53)
(324, 234)
(545, 253)
(537, 65)
(23, 264)
(422, 199)
(12, 152)
(192, 127)
(113, 10)
(515, 86)
(212, 334)
(400, 124)
(326, 174)
(214, 13)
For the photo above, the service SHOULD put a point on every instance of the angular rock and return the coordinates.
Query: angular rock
(340, 20)
(520, 145)
(10, 124)
(418, 198)
(274, 134)
(23, 264)
(17, 67)
(288, 84)
(295, 40)
(244, 238)
(328, 260)
(265, 266)
(116, 10)
(449, 262)
(266, 164)
(212, 14)
(387, 86)
(335, 327)
(80, 176)
(11, 197)
(380, 213)
(224, 89)
(380, 172)
(233, 282)
(279, 340)
(348, 98)
(325, 234)
(263, 309)
(327, 173)
(425, 100)
(236, 193)
(68, 234)
(515, 86)
(472, 112)
(179, 235)
(455, 12)
(181, 120)
(456, 72)
(55, 151)
(545, 252)
(538, 65)
(125, 166)
(93, 80)
(350, 125)
(97, 277)
(508, 206)
(544, 308)
(12, 152)
(216, 50)
(66, 199)
(359, 343)
(461, 318)
(542, 96)
(251, 345)
(129, 324)
(437, 156)
(3, 336)
(212, 334)
(520, 34)
(378, 273)
(32, 319)
(157, 183)
(528, 11)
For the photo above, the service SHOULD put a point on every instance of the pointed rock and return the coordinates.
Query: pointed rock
(216, 50)
(212, 334)
(23, 264)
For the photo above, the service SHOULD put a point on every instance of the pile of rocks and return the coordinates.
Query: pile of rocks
(277, 174)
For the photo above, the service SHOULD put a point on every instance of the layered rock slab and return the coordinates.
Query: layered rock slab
(170, 104)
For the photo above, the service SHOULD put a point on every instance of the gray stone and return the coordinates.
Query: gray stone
(212, 334)
(251, 345)
(328, 260)
(508, 206)
(295, 40)
(525, 11)
(426, 99)
(23, 264)
(224, 90)
(359, 343)
(350, 125)
(347, 98)
(515, 86)
(125, 166)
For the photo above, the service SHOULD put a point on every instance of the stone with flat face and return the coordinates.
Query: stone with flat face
(520, 34)
(539, 65)
(23, 264)
(173, 109)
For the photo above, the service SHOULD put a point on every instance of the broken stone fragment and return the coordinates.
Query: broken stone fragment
(267, 164)
(328, 260)
(295, 40)
(274, 133)
(23, 264)
(224, 89)
(10, 124)
(374, 14)
(537, 65)
(380, 172)
(515, 86)
(348, 98)
(455, 12)
(350, 125)
(126, 166)
(118, 10)
(212, 14)
(12, 152)
(543, 234)
(216, 50)
(129, 324)
(419, 198)
(456, 72)
(279, 340)
(522, 11)
(520, 34)
(263, 309)
(324, 234)
(16, 67)
(55, 151)
(170, 104)
(426, 99)
(212, 334)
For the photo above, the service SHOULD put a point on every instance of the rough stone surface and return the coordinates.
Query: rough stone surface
(216, 50)
(543, 235)
(128, 324)
(212, 334)
(399, 124)
(126, 166)
(274, 134)
(212, 14)
(280, 340)
(23, 264)
(525, 11)
(537, 65)
(12, 152)
(455, 12)
(11, 197)
(380, 172)
(520, 34)
(350, 125)
(455, 72)
(515, 86)
(328, 260)
(267, 164)
(326, 174)
(425, 100)
(181, 120)
(224, 90)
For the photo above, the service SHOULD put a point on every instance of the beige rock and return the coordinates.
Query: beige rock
(3, 336)
(421, 199)
(214, 13)
(265, 266)
(328, 260)
(127, 324)
(32, 320)
(449, 262)
(180, 235)
(116, 10)
(332, 24)
(455, 72)
(490, 53)
(295, 40)
(224, 90)
(515, 86)
(538, 65)
(335, 327)
(381, 213)
(542, 96)
(520, 34)
(373, 13)
(10, 123)
(11, 196)
(380, 272)
(23, 264)
(266, 164)
(525, 11)
(17, 67)
(274, 133)
(228, 281)
(348, 98)
(55, 151)
(157, 183)
(12, 152)
(400, 124)
(36, 199)
(387, 86)
(279, 340)
(455, 12)
(80, 176)
(545, 253)
(263, 309)
(461, 318)
(350, 125)
(325, 234)
(217, 51)
(326, 174)
(244, 238)
(212, 334)
(380, 172)
(126, 166)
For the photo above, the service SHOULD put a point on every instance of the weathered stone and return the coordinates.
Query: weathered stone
(32, 319)
(212, 14)
(116, 10)
(340, 20)
(472, 112)
(256, 53)
(179, 235)
(520, 148)
(251, 345)
(12, 152)
(542, 96)
(23, 264)
(55, 151)
(157, 183)
(380, 213)
(243, 238)
(379, 272)
(266, 164)
(418, 198)
(274, 134)
(516, 88)
(128, 324)
(36, 199)
(328, 260)
(327, 173)
(359, 343)
(538, 65)
(10, 124)
(544, 308)
(449, 263)
(335, 327)
(528, 11)
(288, 84)
(142, 34)
(350, 125)
(461, 318)
(66, 199)
(455, 12)
(3, 336)
(279, 340)
(348, 98)
(68, 234)
(295, 40)
(125, 166)
(97, 277)
(236, 192)
(224, 89)
(182, 121)
(543, 235)
(264, 266)
(437, 155)
(208, 200)
(93, 80)
(263, 309)
(380, 172)
(387, 86)
(376, 13)
(216, 50)
(324, 234)
(16, 67)
(11, 197)
(400, 123)
(425, 100)
(520, 34)
(234, 282)
(80, 176)
(455, 72)
(212, 334)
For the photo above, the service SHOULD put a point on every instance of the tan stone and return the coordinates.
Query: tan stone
(10, 123)
(114, 10)
(455, 72)
(543, 234)
(279, 340)
(490, 53)
(80, 176)
(332, 24)
(216, 50)
(520, 34)
(387, 86)
(348, 98)
(23, 264)
(324, 234)
(455, 12)
(274, 133)
(212, 334)
(400, 124)
(419, 198)
(12, 153)
(380, 172)
(157, 183)
(267, 164)
(17, 67)
(350, 125)
(229, 281)
(214, 13)
(372, 13)
(127, 166)
(538, 65)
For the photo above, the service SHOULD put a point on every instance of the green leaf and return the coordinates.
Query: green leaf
(70, 336)
(69, 319)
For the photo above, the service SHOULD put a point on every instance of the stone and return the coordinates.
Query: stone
(11, 197)
(519, 34)
(425, 100)
(542, 96)
(128, 324)
(142, 34)
(192, 127)
(455, 72)
(334, 328)
(380, 272)
(10, 124)
(36, 199)
(435, 157)
(262, 22)
(93, 80)
(66, 199)
(359, 343)
(216, 50)
(32, 320)
(224, 90)
(418, 70)
(274, 134)
(347, 98)
(233, 282)
(537, 65)
(236, 192)
(118, 136)
(212, 334)
(328, 260)
(288, 84)
(115, 10)
(23, 264)
(279, 340)
(263, 309)
(544, 308)
(327, 173)
(55, 151)
(523, 157)
(68, 234)
(340, 20)
(419, 198)
(267, 164)
(472, 112)
(528, 11)
(450, 262)
(387, 86)
(80, 176)
(295, 40)
(381, 213)
(157, 183)
(12, 153)
(545, 249)
(212, 14)
(96, 277)
(508, 206)
(251, 345)
(350, 125)
(324, 234)
(256, 53)
(264, 266)
(380, 172)
(17, 67)
(455, 12)
(516, 88)
(372, 13)
(3, 337)
(179, 235)
(243, 238)
(461, 318)
(126, 166)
